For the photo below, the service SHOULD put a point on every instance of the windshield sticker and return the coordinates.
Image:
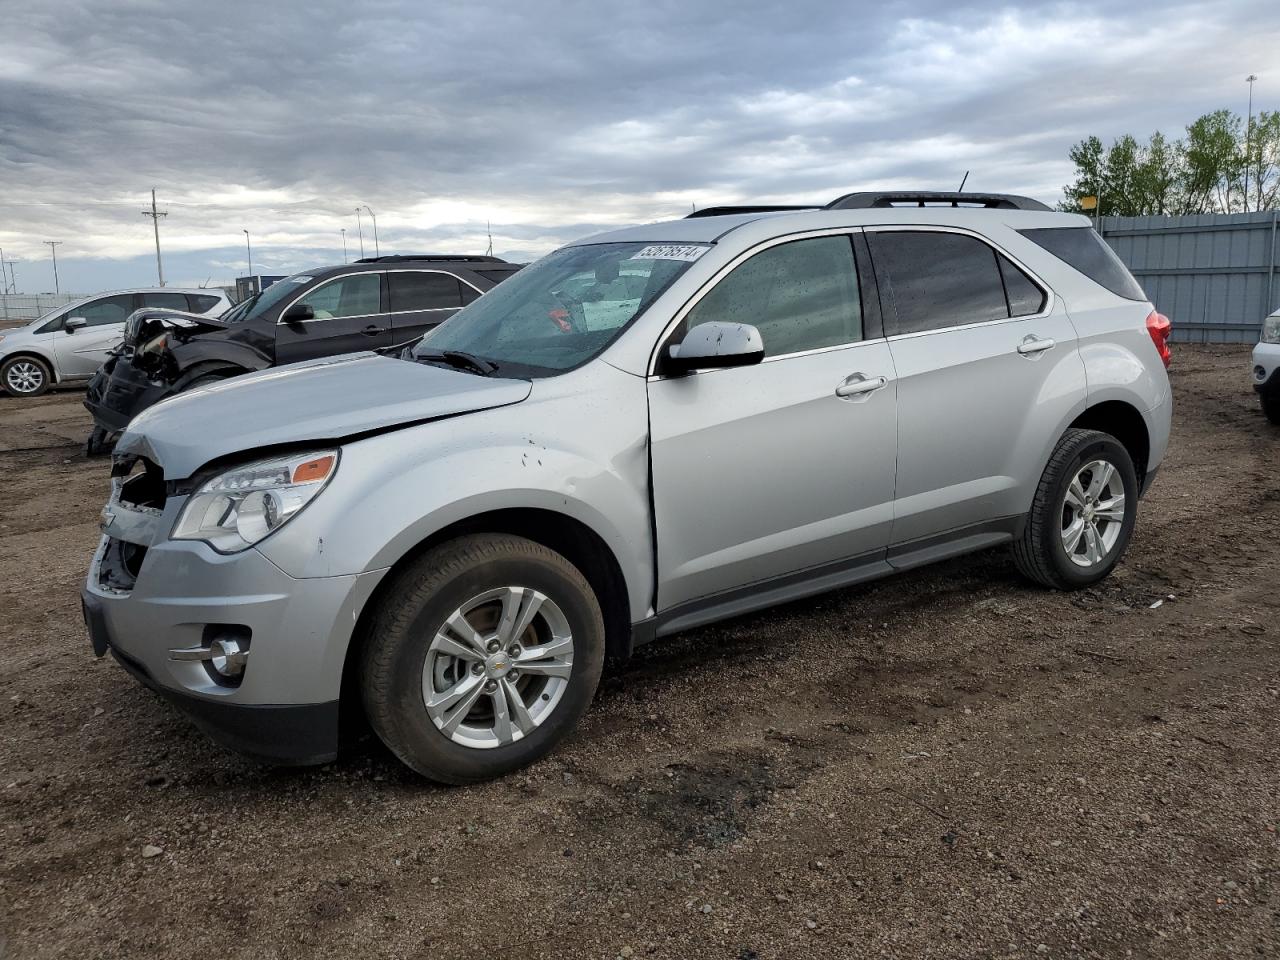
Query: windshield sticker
(300, 279)
(688, 252)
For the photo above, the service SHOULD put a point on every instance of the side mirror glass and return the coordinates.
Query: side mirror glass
(298, 313)
(73, 324)
(715, 344)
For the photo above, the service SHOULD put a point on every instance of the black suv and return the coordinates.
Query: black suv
(372, 304)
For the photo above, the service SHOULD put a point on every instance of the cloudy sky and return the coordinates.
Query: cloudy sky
(552, 118)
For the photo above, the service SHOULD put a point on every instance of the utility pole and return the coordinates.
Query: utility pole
(53, 250)
(360, 227)
(489, 230)
(1248, 132)
(376, 252)
(249, 250)
(155, 216)
(344, 244)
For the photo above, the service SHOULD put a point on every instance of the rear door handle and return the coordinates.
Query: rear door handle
(372, 330)
(1032, 345)
(858, 384)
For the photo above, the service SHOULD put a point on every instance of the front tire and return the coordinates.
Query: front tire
(1271, 407)
(481, 657)
(25, 376)
(1083, 513)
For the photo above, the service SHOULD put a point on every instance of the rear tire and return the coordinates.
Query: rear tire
(25, 376)
(1271, 407)
(1083, 513)
(479, 625)
(100, 442)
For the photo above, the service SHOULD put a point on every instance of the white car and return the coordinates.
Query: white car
(69, 343)
(1266, 367)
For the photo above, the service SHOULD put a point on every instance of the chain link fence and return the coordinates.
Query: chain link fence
(19, 308)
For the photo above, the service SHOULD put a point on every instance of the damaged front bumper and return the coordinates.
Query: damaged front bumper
(155, 603)
(119, 391)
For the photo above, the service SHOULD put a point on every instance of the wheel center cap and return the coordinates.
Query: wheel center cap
(497, 665)
(1088, 512)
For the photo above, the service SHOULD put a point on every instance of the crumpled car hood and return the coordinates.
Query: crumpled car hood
(326, 399)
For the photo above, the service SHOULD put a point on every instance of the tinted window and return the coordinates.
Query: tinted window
(107, 310)
(415, 290)
(1025, 298)
(939, 279)
(202, 302)
(353, 296)
(1083, 249)
(469, 292)
(168, 301)
(800, 296)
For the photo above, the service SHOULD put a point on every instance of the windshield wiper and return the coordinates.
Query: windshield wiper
(459, 360)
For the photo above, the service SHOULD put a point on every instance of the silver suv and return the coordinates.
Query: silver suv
(69, 343)
(642, 432)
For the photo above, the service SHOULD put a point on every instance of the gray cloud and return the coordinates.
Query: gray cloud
(558, 117)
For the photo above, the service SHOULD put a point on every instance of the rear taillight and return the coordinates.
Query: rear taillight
(1159, 327)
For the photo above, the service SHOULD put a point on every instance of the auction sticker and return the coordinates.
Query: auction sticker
(687, 252)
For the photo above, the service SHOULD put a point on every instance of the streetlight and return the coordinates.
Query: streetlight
(376, 251)
(1248, 131)
(53, 250)
(360, 227)
(344, 244)
(249, 250)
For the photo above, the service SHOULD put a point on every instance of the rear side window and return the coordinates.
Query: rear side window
(202, 302)
(166, 301)
(1025, 298)
(415, 290)
(1082, 248)
(939, 280)
(801, 296)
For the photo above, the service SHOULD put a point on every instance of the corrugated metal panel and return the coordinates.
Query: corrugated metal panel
(1216, 276)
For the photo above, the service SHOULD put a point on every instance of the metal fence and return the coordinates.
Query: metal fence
(20, 307)
(1216, 276)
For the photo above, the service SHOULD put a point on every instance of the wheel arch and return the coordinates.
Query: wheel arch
(568, 536)
(33, 354)
(1125, 422)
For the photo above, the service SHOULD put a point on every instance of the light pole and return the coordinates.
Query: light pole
(1248, 132)
(360, 227)
(249, 251)
(373, 217)
(53, 250)
(344, 244)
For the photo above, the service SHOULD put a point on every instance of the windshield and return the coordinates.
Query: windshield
(278, 291)
(240, 310)
(561, 311)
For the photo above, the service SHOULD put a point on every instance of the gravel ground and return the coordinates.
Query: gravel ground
(947, 764)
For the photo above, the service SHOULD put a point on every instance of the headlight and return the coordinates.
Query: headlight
(1271, 329)
(236, 509)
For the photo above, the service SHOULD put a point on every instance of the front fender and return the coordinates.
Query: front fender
(396, 489)
(195, 352)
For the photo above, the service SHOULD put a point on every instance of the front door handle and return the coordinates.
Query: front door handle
(372, 330)
(858, 384)
(1032, 345)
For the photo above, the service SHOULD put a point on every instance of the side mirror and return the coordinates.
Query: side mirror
(298, 313)
(73, 324)
(715, 344)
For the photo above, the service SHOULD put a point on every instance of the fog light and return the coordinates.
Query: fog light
(1259, 373)
(227, 657)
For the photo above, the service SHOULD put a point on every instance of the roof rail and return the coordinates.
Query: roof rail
(922, 198)
(438, 257)
(754, 208)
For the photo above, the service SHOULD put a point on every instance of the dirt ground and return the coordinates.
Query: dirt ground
(947, 764)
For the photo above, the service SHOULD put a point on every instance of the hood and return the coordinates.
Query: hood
(328, 399)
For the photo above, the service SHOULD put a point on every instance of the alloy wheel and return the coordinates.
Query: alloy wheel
(24, 376)
(498, 667)
(1093, 513)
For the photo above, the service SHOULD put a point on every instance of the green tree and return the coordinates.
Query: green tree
(1215, 167)
(1263, 161)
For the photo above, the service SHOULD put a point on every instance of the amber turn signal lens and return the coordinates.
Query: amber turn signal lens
(316, 469)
